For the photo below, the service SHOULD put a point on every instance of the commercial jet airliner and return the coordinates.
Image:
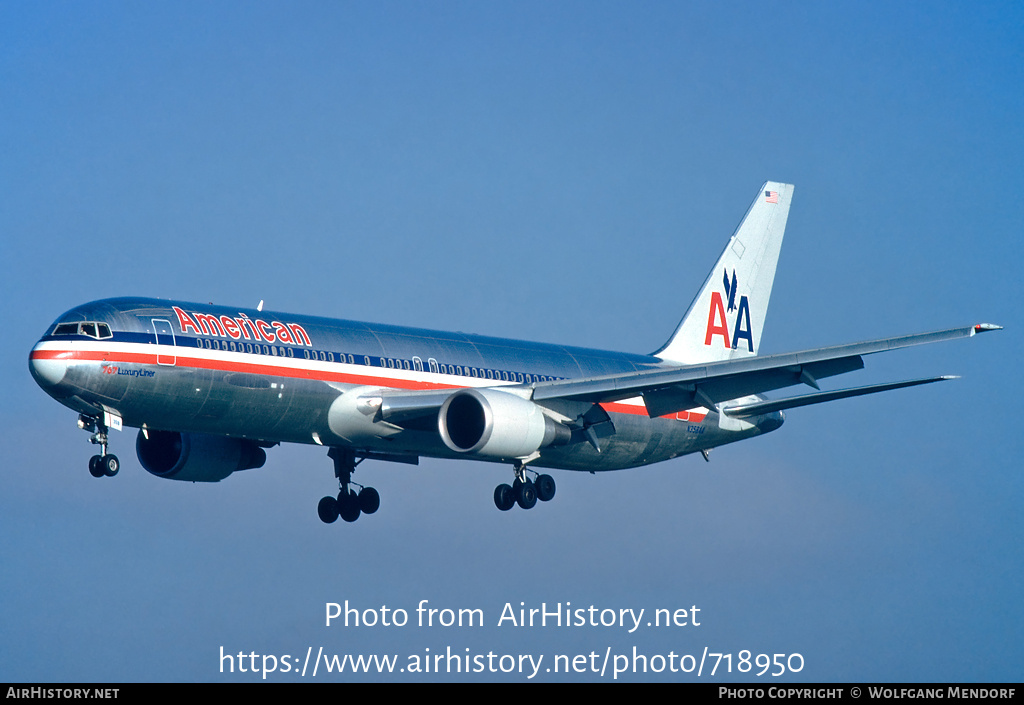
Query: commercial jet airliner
(211, 387)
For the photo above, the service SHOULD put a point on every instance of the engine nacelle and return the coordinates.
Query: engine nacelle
(196, 457)
(497, 424)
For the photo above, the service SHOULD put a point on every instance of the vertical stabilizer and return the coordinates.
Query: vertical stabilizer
(726, 318)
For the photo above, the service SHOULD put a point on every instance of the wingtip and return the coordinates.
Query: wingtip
(985, 327)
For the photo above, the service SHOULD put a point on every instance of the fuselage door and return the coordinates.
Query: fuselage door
(165, 354)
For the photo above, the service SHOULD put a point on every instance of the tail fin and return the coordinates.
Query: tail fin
(726, 318)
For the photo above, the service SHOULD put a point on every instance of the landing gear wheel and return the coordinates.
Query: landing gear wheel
(503, 497)
(545, 485)
(526, 495)
(369, 500)
(109, 464)
(348, 506)
(94, 466)
(328, 510)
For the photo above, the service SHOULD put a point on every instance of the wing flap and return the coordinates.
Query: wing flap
(714, 390)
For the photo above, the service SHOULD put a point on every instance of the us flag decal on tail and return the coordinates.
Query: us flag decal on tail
(771, 196)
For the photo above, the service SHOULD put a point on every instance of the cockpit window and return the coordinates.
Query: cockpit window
(92, 329)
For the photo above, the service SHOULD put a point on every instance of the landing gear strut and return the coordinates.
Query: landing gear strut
(349, 504)
(524, 491)
(105, 464)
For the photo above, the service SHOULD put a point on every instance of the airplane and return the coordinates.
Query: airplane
(210, 388)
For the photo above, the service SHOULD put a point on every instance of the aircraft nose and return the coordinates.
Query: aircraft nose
(47, 369)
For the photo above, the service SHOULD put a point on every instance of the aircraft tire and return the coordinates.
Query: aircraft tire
(504, 499)
(527, 495)
(109, 464)
(348, 506)
(94, 466)
(369, 500)
(327, 509)
(545, 485)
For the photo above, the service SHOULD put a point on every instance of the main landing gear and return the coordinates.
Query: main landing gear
(524, 491)
(349, 504)
(105, 464)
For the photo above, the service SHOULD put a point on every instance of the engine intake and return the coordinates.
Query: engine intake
(196, 457)
(496, 424)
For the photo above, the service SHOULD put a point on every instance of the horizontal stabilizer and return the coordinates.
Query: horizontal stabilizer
(764, 407)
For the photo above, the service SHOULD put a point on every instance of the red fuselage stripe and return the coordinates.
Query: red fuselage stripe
(297, 373)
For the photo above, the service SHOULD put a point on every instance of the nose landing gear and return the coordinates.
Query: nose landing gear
(105, 464)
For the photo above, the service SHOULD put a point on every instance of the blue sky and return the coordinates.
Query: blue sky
(558, 172)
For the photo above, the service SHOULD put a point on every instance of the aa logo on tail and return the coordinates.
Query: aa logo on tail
(718, 323)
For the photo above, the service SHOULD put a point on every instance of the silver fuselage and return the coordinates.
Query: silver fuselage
(273, 377)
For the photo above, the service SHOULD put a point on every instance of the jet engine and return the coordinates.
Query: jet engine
(497, 424)
(196, 457)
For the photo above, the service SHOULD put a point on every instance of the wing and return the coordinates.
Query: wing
(667, 390)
